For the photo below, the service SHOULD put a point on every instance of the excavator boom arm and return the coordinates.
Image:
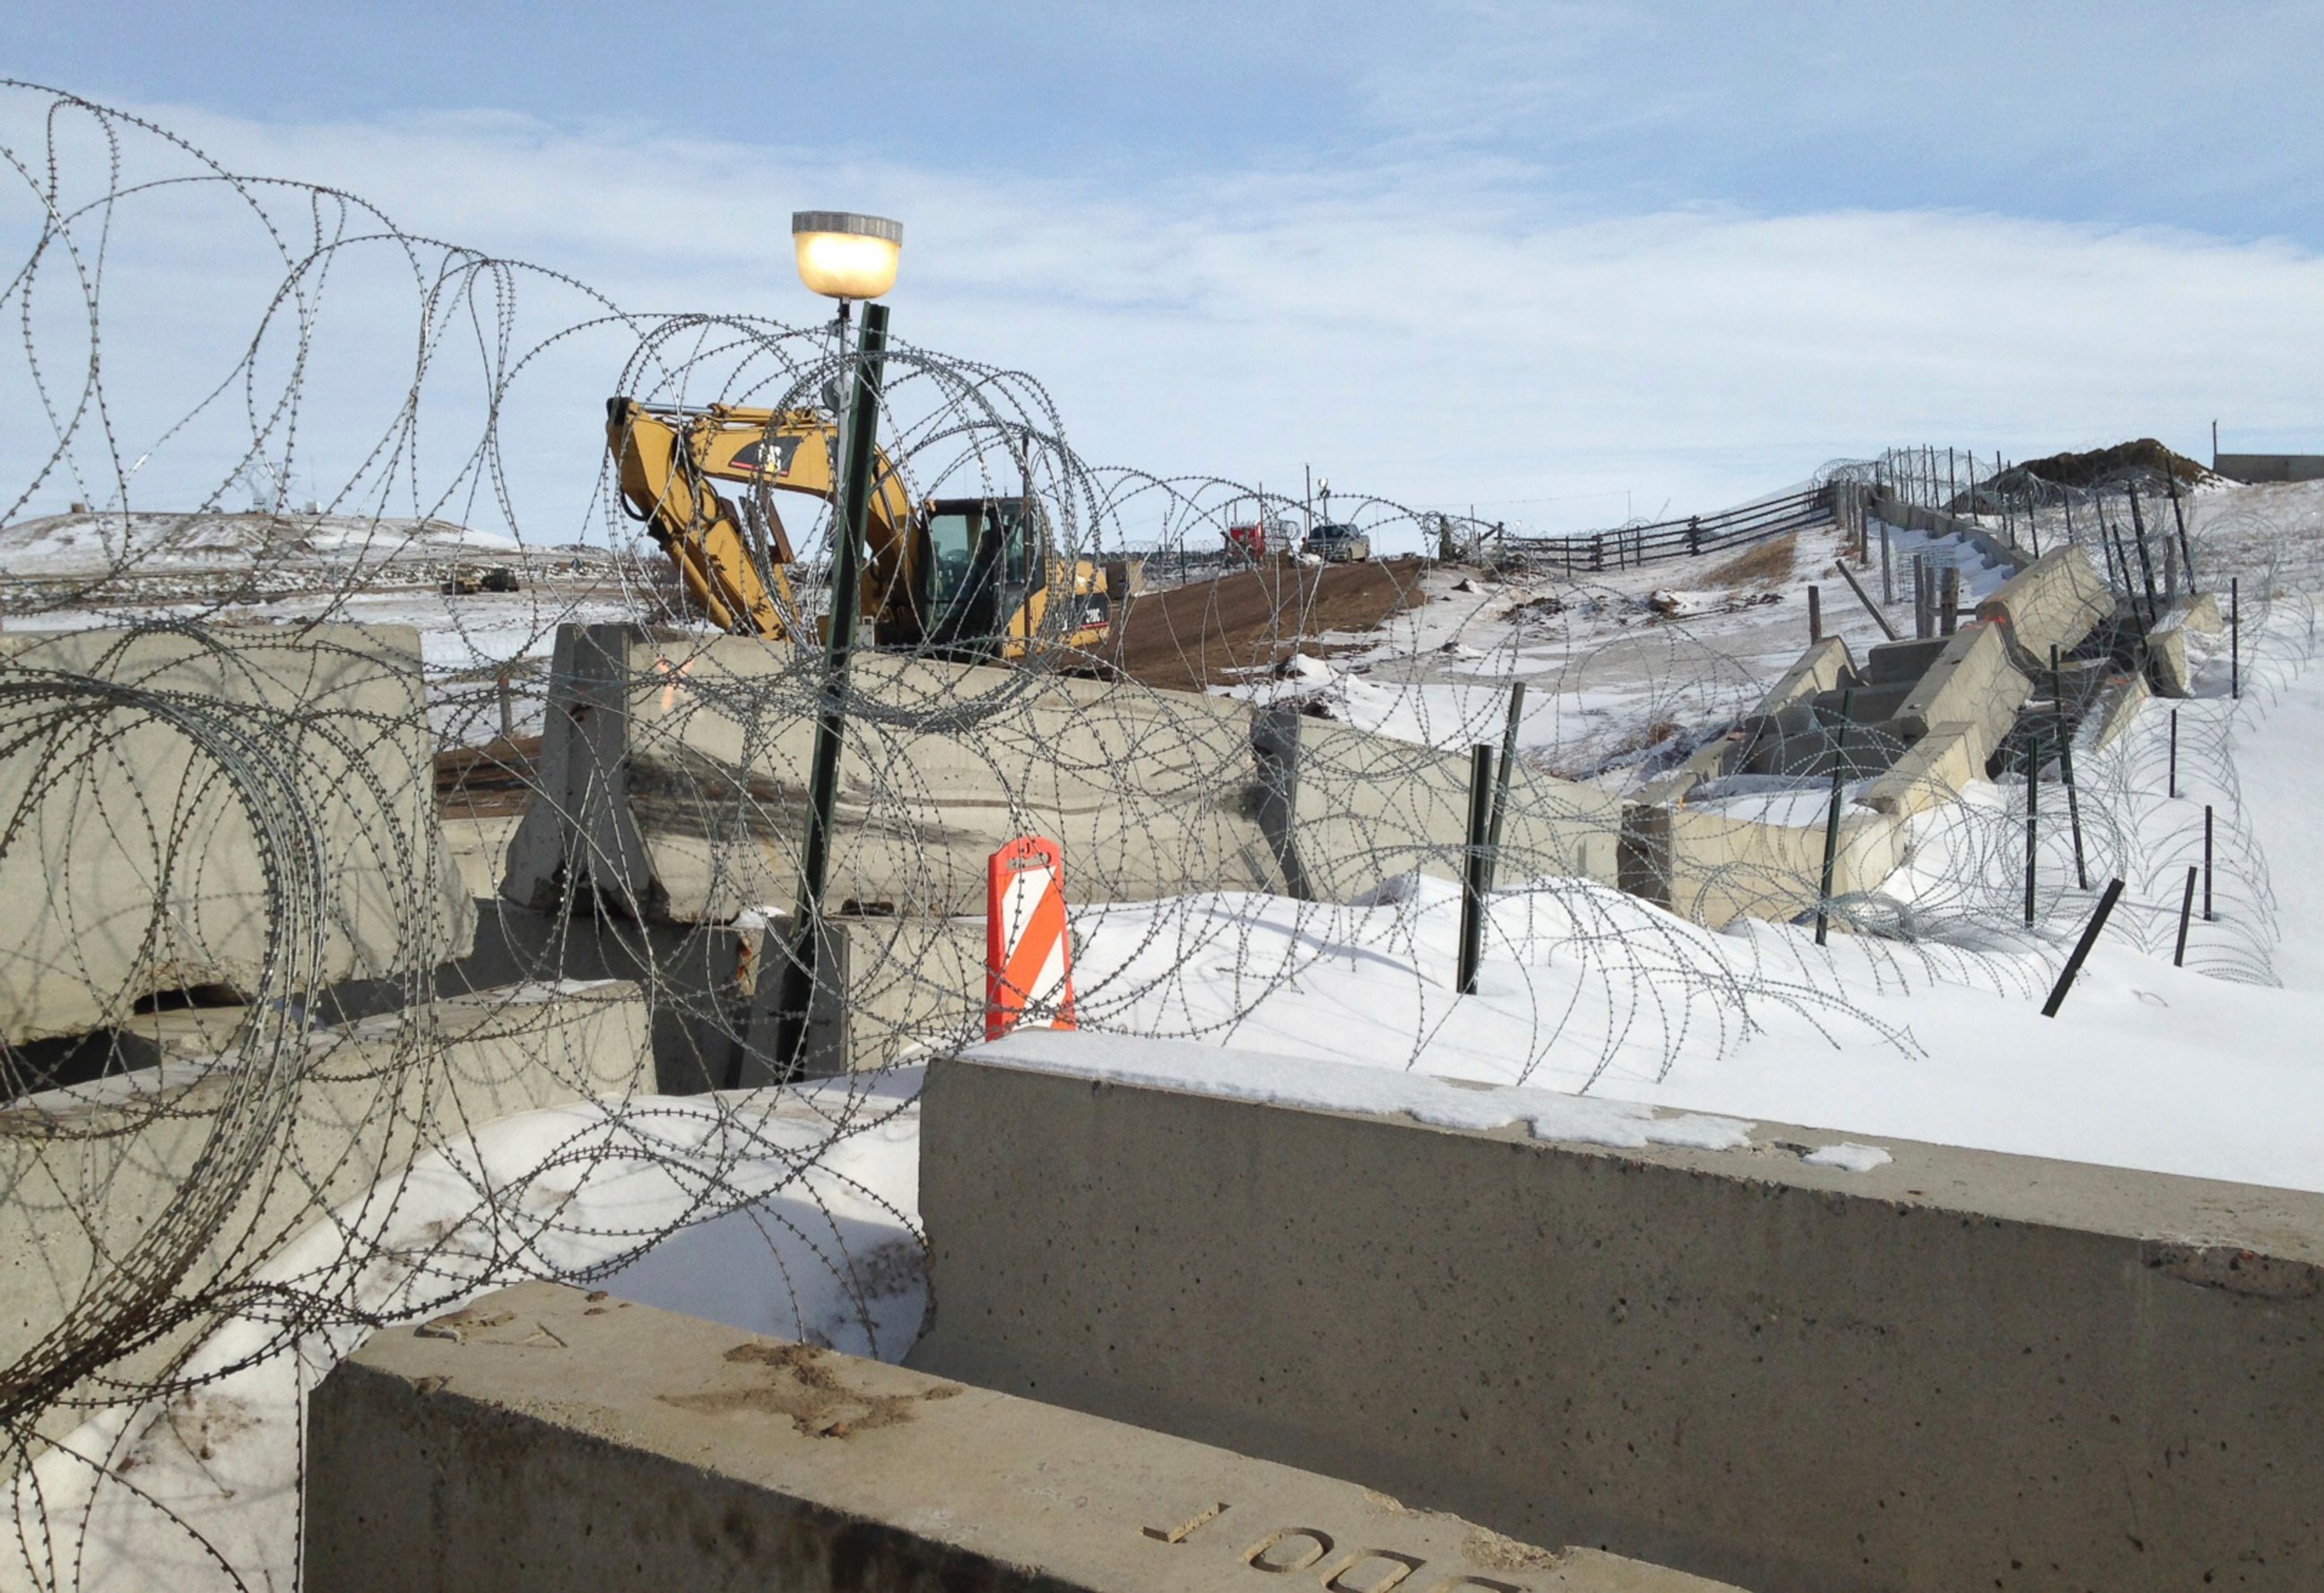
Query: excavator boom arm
(666, 460)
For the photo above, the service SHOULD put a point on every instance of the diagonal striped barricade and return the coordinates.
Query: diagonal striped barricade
(1027, 959)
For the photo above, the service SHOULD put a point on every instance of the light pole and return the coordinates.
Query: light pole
(844, 257)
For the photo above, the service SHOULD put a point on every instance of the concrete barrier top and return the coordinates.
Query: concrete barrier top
(2255, 1223)
(608, 1446)
(2251, 1220)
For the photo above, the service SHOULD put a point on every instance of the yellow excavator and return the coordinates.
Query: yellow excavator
(959, 577)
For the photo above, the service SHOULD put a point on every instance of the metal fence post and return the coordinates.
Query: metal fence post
(804, 958)
(2207, 915)
(2066, 768)
(2082, 948)
(1472, 872)
(2033, 816)
(1831, 817)
(1501, 783)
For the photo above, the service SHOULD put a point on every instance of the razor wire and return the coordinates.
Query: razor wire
(326, 1008)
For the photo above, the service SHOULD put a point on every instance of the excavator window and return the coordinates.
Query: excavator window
(1027, 566)
(951, 553)
(985, 559)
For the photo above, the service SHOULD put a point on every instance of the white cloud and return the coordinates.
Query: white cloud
(1428, 329)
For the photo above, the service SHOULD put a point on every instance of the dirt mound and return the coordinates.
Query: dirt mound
(1208, 632)
(2144, 457)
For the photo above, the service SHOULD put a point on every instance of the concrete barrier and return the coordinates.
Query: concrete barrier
(2118, 708)
(1347, 809)
(2168, 668)
(1713, 869)
(674, 773)
(1783, 735)
(1824, 667)
(546, 1440)
(88, 1174)
(161, 783)
(2052, 603)
(1931, 772)
(1972, 683)
(1956, 1370)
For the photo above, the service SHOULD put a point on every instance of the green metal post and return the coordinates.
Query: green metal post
(1832, 819)
(2066, 769)
(2033, 813)
(1501, 783)
(805, 949)
(2145, 563)
(1473, 865)
(2178, 513)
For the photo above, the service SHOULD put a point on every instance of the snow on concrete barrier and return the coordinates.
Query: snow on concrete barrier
(1935, 522)
(608, 1446)
(1573, 1322)
(231, 808)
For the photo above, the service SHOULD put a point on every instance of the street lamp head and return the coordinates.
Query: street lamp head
(845, 256)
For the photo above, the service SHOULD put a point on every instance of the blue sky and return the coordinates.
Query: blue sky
(2204, 117)
(1523, 254)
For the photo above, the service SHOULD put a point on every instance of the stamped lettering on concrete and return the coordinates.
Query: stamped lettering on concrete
(1188, 1527)
(1294, 1548)
(1309, 1548)
(1373, 1570)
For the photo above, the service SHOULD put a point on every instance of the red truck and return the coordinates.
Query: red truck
(1253, 541)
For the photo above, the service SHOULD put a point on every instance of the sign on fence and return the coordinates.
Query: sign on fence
(1028, 975)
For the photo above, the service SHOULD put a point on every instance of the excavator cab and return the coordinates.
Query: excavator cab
(983, 571)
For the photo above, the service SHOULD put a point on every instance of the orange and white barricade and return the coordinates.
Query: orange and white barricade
(1029, 976)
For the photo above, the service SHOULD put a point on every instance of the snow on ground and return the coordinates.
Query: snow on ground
(86, 544)
(815, 1237)
(2149, 1065)
(1626, 671)
(2282, 774)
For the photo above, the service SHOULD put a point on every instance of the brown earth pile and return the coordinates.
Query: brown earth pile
(2145, 456)
(1208, 632)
